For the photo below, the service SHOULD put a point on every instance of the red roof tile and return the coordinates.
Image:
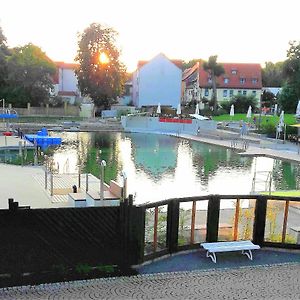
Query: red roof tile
(63, 65)
(250, 72)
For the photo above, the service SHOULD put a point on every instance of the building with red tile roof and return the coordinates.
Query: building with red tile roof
(239, 78)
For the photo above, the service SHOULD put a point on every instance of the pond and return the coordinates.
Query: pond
(161, 167)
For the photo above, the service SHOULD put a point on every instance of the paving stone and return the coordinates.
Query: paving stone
(263, 282)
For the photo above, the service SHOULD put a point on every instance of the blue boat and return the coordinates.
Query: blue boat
(42, 139)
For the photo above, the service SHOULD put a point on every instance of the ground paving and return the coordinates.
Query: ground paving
(264, 282)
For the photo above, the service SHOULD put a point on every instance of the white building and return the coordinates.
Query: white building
(157, 81)
(65, 82)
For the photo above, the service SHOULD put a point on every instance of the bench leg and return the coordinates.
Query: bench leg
(212, 255)
(249, 254)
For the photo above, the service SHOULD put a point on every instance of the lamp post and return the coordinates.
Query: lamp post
(102, 166)
(124, 194)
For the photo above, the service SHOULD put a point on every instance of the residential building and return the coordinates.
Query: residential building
(157, 81)
(65, 82)
(238, 79)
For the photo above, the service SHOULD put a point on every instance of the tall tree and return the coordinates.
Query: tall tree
(272, 74)
(4, 52)
(30, 74)
(214, 70)
(101, 75)
(291, 69)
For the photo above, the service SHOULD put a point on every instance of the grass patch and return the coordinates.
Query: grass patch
(292, 193)
(289, 119)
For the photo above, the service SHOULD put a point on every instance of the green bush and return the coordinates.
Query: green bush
(83, 269)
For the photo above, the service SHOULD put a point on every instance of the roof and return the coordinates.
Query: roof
(188, 72)
(63, 65)
(177, 62)
(251, 73)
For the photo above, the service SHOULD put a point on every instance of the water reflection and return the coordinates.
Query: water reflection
(161, 167)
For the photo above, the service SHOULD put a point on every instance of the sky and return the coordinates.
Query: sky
(253, 31)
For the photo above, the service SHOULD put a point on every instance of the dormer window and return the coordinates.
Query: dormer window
(226, 80)
(233, 71)
(254, 80)
(242, 80)
(209, 79)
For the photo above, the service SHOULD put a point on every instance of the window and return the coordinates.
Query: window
(254, 80)
(244, 93)
(254, 93)
(239, 92)
(225, 93)
(226, 80)
(234, 71)
(242, 80)
(206, 92)
(230, 93)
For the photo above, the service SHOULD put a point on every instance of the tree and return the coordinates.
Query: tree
(214, 70)
(241, 103)
(291, 70)
(101, 75)
(30, 74)
(4, 52)
(272, 74)
(190, 63)
(288, 98)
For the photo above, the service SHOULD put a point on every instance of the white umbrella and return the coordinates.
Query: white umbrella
(158, 111)
(298, 109)
(275, 109)
(231, 110)
(197, 109)
(281, 119)
(178, 112)
(249, 112)
(280, 125)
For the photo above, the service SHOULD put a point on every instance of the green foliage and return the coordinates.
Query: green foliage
(288, 98)
(190, 63)
(242, 102)
(83, 269)
(272, 74)
(29, 76)
(103, 82)
(60, 269)
(291, 69)
(4, 52)
(106, 268)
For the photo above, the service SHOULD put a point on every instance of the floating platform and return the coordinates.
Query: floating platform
(43, 139)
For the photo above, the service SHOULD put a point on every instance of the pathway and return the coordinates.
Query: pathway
(265, 282)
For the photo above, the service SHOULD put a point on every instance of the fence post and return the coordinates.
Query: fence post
(172, 226)
(212, 223)
(259, 220)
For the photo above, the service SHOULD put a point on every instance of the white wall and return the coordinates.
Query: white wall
(158, 81)
(67, 80)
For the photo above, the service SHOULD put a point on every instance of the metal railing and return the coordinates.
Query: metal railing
(183, 223)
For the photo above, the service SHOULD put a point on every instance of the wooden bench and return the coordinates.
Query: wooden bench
(244, 246)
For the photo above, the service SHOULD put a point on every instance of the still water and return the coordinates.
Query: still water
(160, 167)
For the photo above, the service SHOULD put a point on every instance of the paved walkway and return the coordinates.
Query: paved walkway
(255, 146)
(266, 282)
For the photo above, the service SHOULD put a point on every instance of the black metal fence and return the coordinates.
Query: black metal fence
(38, 240)
(180, 224)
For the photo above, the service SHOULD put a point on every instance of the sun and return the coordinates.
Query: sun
(103, 58)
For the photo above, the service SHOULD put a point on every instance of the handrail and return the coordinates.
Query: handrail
(208, 197)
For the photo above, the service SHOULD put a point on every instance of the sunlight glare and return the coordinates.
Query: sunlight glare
(103, 58)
